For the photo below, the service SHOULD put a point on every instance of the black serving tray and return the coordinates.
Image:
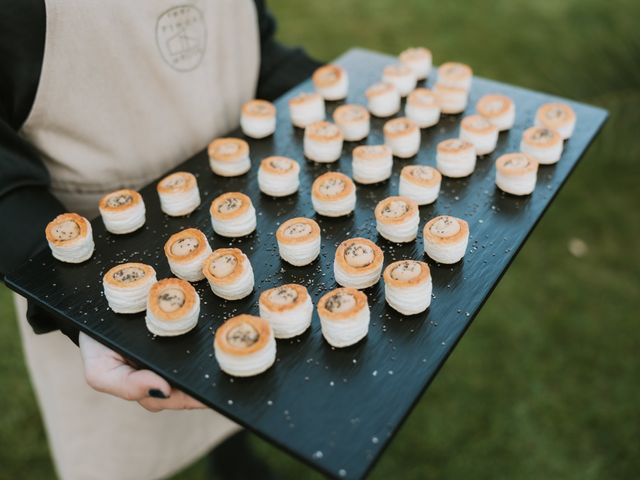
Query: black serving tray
(335, 409)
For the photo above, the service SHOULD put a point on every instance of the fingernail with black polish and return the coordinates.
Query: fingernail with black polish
(155, 393)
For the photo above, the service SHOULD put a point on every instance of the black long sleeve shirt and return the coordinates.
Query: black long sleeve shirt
(26, 204)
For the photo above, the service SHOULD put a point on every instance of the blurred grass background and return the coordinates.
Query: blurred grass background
(546, 383)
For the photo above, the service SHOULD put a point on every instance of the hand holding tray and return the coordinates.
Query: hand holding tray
(335, 409)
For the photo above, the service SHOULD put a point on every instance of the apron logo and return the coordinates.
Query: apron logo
(181, 36)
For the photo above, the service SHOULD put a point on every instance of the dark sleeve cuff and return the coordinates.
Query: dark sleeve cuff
(28, 210)
(282, 69)
(43, 322)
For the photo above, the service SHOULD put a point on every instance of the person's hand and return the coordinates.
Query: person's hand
(107, 371)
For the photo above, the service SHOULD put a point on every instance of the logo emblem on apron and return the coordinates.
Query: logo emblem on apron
(181, 36)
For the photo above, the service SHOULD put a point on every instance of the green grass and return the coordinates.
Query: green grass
(546, 383)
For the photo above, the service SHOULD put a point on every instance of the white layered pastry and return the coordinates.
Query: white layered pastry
(446, 239)
(455, 158)
(556, 116)
(299, 241)
(358, 263)
(403, 136)
(353, 121)
(422, 107)
(397, 219)
(322, 142)
(173, 307)
(420, 183)
(543, 144)
(186, 252)
(452, 100)
(333, 194)
(287, 308)
(419, 60)
(244, 346)
(371, 163)
(126, 287)
(233, 215)
(229, 273)
(258, 118)
(497, 109)
(331, 81)
(456, 75)
(70, 238)
(122, 211)
(408, 286)
(344, 316)
(401, 76)
(306, 108)
(480, 132)
(229, 157)
(516, 173)
(279, 176)
(179, 194)
(383, 99)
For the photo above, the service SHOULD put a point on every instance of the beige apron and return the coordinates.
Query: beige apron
(128, 90)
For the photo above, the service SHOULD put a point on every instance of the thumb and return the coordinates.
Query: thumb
(106, 371)
(130, 384)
